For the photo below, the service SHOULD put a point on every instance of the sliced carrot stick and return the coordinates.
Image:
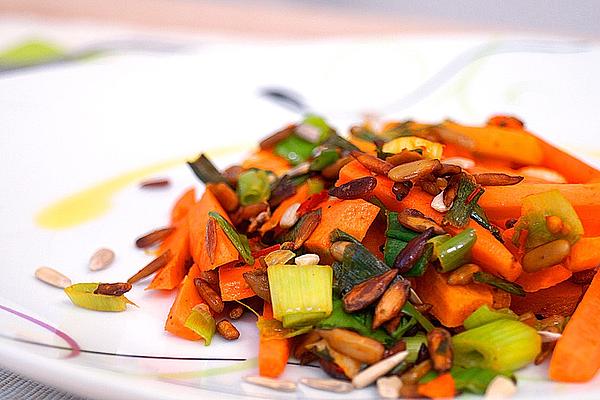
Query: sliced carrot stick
(351, 216)
(575, 170)
(273, 354)
(585, 254)
(187, 298)
(576, 357)
(416, 199)
(559, 299)
(503, 202)
(197, 219)
(299, 197)
(451, 304)
(442, 387)
(171, 275)
(265, 159)
(232, 282)
(363, 145)
(490, 254)
(501, 143)
(183, 205)
(534, 281)
(375, 238)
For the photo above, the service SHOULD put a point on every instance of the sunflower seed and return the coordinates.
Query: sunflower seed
(464, 163)
(413, 170)
(290, 216)
(389, 387)
(101, 259)
(154, 183)
(328, 385)
(548, 337)
(500, 387)
(438, 203)
(307, 259)
(275, 384)
(113, 289)
(299, 169)
(370, 375)
(52, 277)
(354, 189)
(152, 238)
(496, 179)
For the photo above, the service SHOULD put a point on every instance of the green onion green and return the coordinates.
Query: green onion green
(454, 251)
(253, 187)
(485, 314)
(294, 149)
(239, 241)
(489, 279)
(202, 323)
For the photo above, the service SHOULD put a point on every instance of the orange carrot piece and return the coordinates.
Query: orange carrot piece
(503, 202)
(299, 197)
(265, 159)
(559, 299)
(534, 281)
(273, 354)
(575, 170)
(416, 199)
(187, 298)
(585, 254)
(442, 387)
(363, 145)
(576, 357)
(197, 219)
(171, 275)
(490, 254)
(375, 237)
(232, 283)
(351, 216)
(183, 205)
(451, 304)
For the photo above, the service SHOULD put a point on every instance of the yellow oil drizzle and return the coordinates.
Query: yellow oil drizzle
(95, 201)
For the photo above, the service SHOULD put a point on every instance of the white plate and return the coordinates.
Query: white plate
(70, 130)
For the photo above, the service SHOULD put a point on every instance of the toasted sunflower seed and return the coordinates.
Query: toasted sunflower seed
(275, 384)
(290, 216)
(389, 387)
(328, 385)
(52, 277)
(370, 375)
(101, 259)
(307, 259)
(500, 387)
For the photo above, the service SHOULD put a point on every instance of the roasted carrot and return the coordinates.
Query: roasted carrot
(273, 354)
(491, 255)
(375, 238)
(267, 160)
(585, 254)
(442, 387)
(543, 279)
(504, 202)
(498, 142)
(171, 275)
(183, 205)
(232, 283)
(575, 170)
(198, 218)
(559, 299)
(299, 197)
(187, 298)
(363, 145)
(451, 304)
(351, 216)
(576, 357)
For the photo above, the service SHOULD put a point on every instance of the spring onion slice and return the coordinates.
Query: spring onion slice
(294, 149)
(473, 380)
(485, 314)
(455, 251)
(300, 295)
(398, 231)
(240, 242)
(502, 345)
(489, 279)
(409, 309)
(273, 329)
(326, 158)
(413, 344)
(82, 295)
(205, 170)
(467, 195)
(202, 323)
(253, 187)
(479, 216)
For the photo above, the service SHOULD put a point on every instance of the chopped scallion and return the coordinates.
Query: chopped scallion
(82, 295)
(253, 187)
(455, 251)
(202, 323)
(239, 241)
(485, 314)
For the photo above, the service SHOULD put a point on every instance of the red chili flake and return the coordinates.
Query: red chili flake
(312, 202)
(473, 194)
(265, 251)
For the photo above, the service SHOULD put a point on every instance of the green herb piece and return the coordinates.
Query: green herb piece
(479, 216)
(405, 325)
(294, 149)
(413, 344)
(474, 380)
(82, 295)
(391, 249)
(536, 208)
(502, 345)
(318, 122)
(396, 230)
(360, 322)
(492, 280)
(273, 329)
(202, 323)
(364, 133)
(335, 140)
(205, 170)
(467, 195)
(253, 187)
(409, 309)
(394, 246)
(239, 241)
(300, 296)
(485, 314)
(338, 235)
(325, 159)
(454, 251)
(358, 265)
